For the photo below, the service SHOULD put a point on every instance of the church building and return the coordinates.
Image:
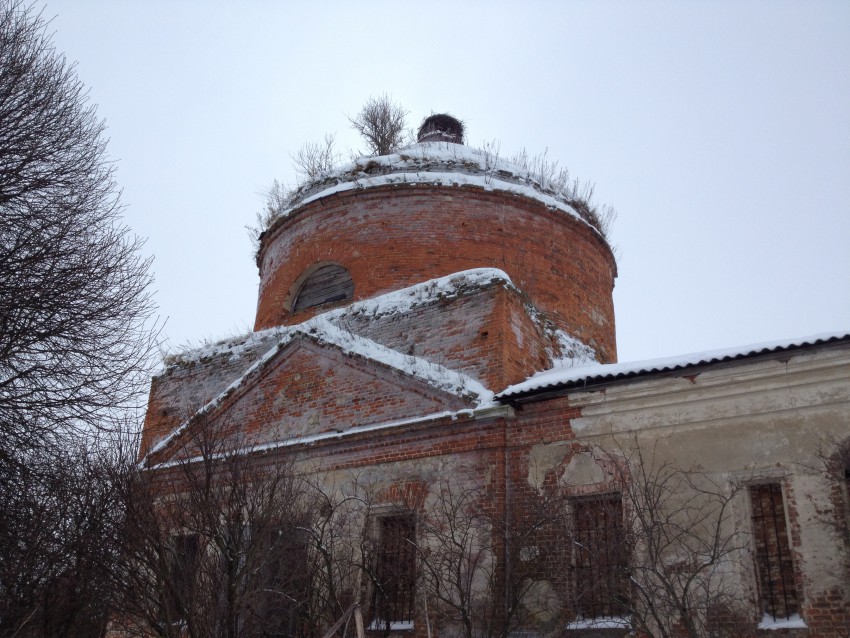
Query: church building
(439, 322)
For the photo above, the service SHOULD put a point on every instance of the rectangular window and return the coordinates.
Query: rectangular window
(600, 558)
(395, 573)
(777, 591)
(182, 570)
(278, 574)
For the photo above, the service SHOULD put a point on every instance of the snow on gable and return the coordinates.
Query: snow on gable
(323, 331)
(405, 299)
(315, 387)
(569, 351)
(433, 374)
(398, 301)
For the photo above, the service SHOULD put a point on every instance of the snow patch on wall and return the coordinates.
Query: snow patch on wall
(573, 353)
(602, 622)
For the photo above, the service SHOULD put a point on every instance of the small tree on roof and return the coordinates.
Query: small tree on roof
(381, 122)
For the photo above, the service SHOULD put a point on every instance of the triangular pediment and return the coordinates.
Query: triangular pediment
(314, 388)
(313, 384)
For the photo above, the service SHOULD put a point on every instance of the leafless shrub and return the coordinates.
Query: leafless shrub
(276, 199)
(211, 545)
(314, 159)
(381, 122)
(556, 179)
(682, 544)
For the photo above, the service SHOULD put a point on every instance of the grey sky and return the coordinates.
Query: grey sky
(719, 131)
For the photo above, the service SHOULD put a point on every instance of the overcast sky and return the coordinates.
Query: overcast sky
(720, 132)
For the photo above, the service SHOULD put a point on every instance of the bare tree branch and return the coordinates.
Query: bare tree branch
(381, 122)
(74, 291)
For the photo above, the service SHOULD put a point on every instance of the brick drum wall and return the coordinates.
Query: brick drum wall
(395, 236)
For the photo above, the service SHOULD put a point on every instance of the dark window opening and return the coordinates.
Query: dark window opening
(182, 572)
(778, 593)
(395, 572)
(279, 578)
(600, 558)
(327, 284)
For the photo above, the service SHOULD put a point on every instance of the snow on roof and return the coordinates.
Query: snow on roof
(397, 301)
(595, 373)
(231, 347)
(440, 163)
(404, 299)
(323, 331)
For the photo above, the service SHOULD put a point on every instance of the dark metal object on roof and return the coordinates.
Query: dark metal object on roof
(441, 127)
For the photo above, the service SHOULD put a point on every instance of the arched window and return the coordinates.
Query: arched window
(326, 284)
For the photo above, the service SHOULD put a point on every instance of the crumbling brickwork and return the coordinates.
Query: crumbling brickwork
(413, 392)
(394, 236)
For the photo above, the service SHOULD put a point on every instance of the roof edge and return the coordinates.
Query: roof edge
(550, 381)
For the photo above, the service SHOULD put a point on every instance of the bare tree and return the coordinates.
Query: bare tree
(75, 338)
(381, 122)
(58, 530)
(682, 546)
(478, 567)
(213, 545)
(315, 158)
(74, 290)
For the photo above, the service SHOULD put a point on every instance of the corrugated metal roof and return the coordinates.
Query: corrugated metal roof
(566, 378)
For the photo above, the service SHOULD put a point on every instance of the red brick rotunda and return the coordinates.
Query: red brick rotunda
(429, 210)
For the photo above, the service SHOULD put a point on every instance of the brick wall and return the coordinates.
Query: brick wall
(486, 332)
(394, 236)
(184, 387)
(313, 389)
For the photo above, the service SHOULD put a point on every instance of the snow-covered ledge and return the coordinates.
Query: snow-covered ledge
(794, 621)
(602, 622)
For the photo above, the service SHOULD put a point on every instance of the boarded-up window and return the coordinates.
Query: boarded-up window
(600, 558)
(395, 573)
(777, 590)
(326, 285)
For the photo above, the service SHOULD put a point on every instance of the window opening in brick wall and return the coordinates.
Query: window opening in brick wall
(395, 573)
(326, 284)
(600, 558)
(778, 593)
(280, 578)
(182, 571)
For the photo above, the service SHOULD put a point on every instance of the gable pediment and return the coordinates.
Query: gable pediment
(314, 388)
(311, 386)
